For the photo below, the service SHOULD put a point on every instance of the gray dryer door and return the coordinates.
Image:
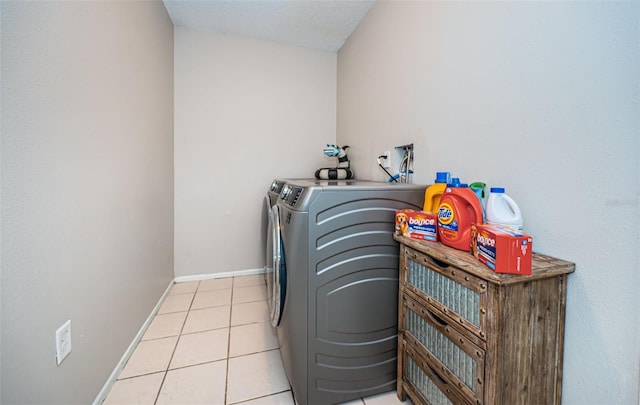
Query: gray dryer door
(276, 265)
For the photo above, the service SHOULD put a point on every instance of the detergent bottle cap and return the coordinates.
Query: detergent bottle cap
(497, 189)
(455, 182)
(442, 177)
(478, 188)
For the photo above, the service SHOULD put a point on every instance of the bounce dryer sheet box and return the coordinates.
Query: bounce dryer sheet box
(417, 225)
(502, 249)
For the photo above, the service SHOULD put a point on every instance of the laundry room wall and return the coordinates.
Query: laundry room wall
(246, 111)
(87, 189)
(538, 97)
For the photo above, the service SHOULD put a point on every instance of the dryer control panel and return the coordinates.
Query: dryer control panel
(276, 186)
(290, 194)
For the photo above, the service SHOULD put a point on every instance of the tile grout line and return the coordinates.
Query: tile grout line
(164, 377)
(226, 377)
(244, 401)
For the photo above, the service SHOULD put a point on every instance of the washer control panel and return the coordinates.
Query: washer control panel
(290, 195)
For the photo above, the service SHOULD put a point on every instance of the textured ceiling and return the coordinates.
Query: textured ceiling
(316, 24)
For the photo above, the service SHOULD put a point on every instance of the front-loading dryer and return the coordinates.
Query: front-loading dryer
(273, 193)
(269, 201)
(336, 267)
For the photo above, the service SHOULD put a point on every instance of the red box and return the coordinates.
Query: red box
(502, 249)
(417, 225)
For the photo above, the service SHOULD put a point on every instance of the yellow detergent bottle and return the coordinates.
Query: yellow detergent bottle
(434, 192)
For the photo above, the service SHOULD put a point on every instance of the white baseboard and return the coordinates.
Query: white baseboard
(102, 395)
(237, 273)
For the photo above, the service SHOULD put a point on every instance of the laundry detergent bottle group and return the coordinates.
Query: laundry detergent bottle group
(459, 209)
(434, 192)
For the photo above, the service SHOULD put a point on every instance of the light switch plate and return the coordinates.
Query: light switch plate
(63, 341)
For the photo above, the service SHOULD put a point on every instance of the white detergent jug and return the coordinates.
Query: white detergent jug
(502, 210)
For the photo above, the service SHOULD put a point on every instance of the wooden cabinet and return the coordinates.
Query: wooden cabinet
(467, 335)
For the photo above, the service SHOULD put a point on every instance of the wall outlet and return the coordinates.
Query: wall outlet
(63, 341)
(386, 162)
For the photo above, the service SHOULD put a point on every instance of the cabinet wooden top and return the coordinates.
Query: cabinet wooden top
(542, 266)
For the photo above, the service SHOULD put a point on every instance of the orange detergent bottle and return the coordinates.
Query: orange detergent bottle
(434, 192)
(459, 209)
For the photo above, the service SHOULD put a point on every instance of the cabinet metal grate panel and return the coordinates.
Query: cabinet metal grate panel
(423, 383)
(453, 357)
(455, 296)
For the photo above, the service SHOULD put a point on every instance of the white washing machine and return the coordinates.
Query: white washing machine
(335, 268)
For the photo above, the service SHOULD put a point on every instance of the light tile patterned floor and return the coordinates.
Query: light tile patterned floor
(211, 343)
